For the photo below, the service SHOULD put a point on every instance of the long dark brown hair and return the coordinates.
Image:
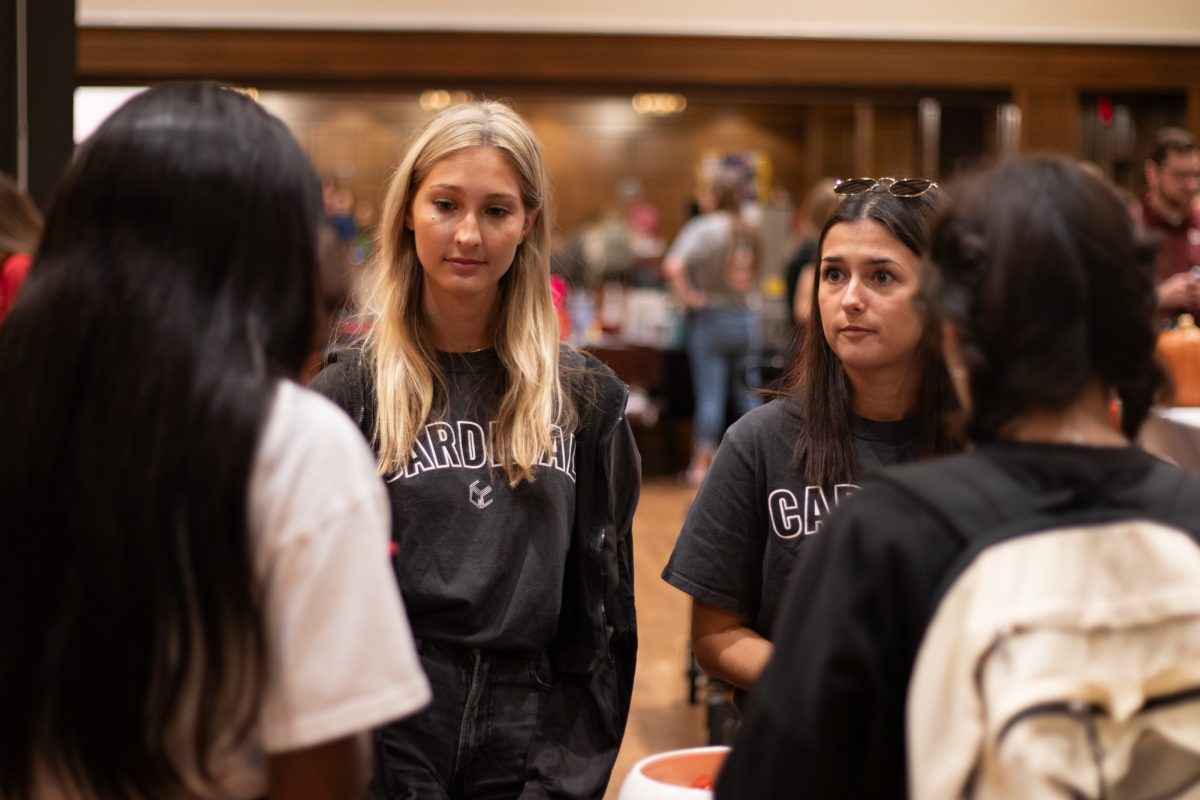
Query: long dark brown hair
(816, 382)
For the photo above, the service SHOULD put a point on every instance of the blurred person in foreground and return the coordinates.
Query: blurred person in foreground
(195, 593)
(20, 229)
(1045, 294)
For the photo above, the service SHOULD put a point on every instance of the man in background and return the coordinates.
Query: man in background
(1167, 209)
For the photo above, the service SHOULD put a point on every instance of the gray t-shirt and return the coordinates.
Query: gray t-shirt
(703, 245)
(749, 523)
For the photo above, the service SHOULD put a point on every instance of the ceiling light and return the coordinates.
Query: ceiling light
(659, 104)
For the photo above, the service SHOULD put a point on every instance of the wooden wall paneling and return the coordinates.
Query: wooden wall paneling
(814, 146)
(968, 137)
(834, 140)
(864, 138)
(665, 158)
(1049, 118)
(1193, 105)
(896, 146)
(785, 138)
(585, 158)
(354, 138)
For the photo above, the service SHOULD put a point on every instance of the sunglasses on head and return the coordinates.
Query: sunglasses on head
(904, 187)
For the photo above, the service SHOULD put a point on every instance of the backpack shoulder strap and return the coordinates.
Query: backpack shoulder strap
(952, 490)
(1169, 485)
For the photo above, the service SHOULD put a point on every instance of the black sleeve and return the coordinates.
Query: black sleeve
(583, 723)
(805, 254)
(718, 557)
(827, 717)
(342, 379)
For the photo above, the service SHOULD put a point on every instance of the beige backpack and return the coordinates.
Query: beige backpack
(1063, 659)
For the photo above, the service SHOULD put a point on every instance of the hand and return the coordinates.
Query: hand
(1181, 290)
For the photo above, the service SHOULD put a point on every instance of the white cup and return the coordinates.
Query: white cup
(673, 774)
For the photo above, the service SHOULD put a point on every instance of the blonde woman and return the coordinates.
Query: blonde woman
(512, 474)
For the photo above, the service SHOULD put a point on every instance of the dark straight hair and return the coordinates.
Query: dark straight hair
(1049, 283)
(173, 286)
(817, 381)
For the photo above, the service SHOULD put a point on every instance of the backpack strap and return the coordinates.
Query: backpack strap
(1169, 485)
(951, 491)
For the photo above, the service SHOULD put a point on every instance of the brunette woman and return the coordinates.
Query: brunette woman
(868, 389)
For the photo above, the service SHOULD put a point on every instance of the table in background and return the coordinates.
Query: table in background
(662, 373)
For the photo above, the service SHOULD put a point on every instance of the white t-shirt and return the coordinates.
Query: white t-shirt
(340, 653)
(341, 656)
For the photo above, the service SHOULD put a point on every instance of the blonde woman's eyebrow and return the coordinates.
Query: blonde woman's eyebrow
(454, 187)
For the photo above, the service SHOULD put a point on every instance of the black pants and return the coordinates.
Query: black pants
(472, 741)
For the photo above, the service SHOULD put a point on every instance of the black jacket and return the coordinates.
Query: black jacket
(594, 650)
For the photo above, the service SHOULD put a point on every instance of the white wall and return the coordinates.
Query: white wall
(1097, 21)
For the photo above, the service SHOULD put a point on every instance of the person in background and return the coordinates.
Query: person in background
(1167, 209)
(645, 240)
(335, 282)
(867, 389)
(339, 210)
(20, 229)
(512, 473)
(819, 202)
(195, 571)
(363, 242)
(1044, 292)
(712, 268)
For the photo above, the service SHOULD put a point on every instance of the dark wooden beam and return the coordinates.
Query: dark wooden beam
(442, 57)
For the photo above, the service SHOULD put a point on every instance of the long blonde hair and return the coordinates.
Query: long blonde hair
(409, 383)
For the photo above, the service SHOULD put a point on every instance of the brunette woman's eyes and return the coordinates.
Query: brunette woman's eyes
(884, 277)
(831, 274)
